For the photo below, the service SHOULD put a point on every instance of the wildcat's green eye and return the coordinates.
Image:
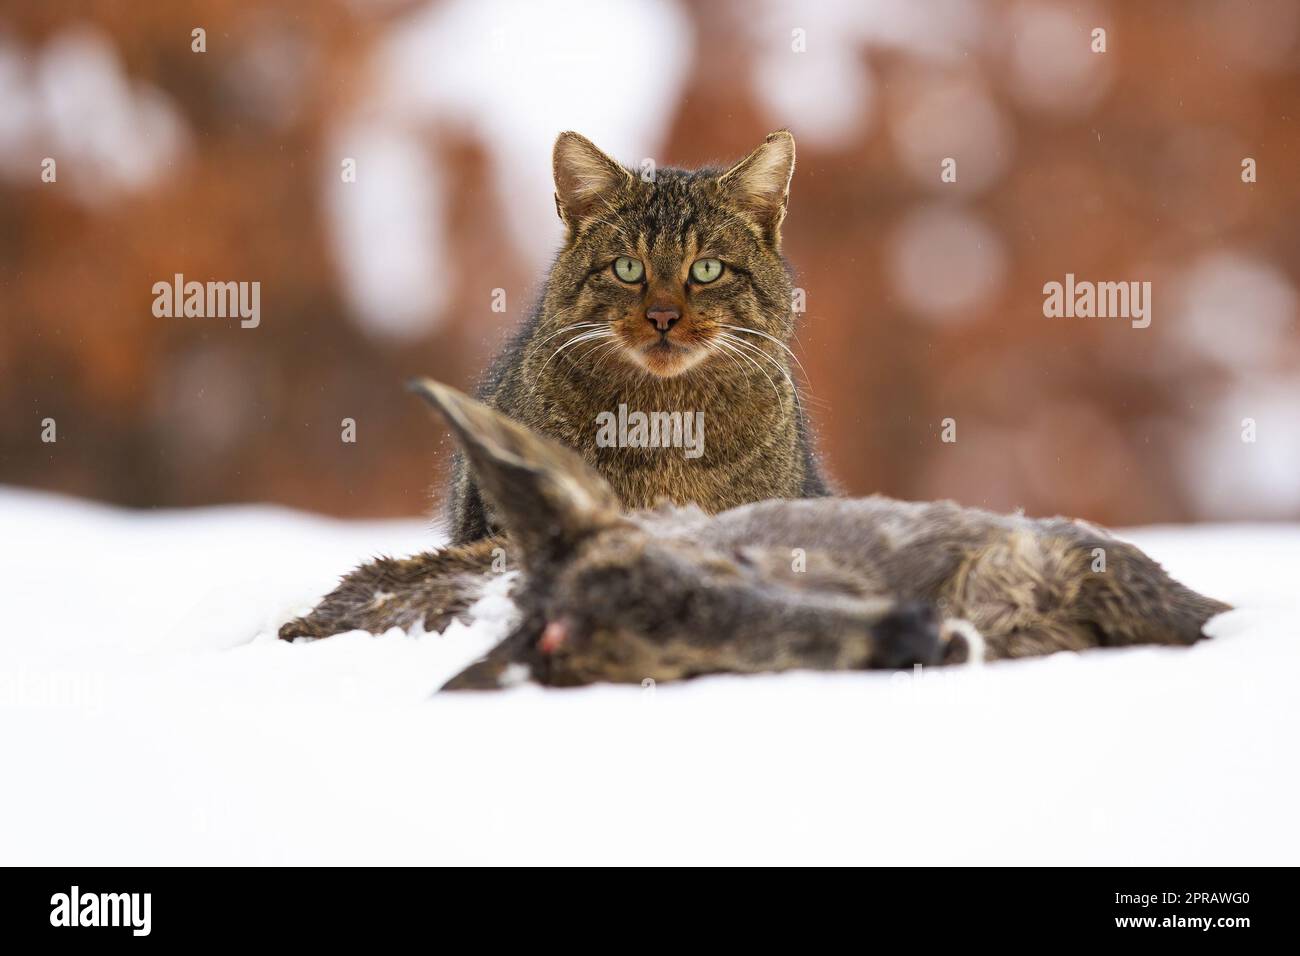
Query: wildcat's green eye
(628, 269)
(706, 270)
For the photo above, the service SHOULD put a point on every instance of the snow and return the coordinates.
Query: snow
(148, 715)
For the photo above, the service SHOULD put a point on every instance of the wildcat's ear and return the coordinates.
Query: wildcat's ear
(760, 183)
(547, 497)
(583, 175)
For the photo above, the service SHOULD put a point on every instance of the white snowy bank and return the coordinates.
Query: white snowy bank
(149, 716)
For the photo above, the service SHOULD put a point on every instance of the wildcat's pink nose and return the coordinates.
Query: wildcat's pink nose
(662, 317)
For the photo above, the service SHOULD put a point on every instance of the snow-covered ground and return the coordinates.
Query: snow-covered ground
(149, 716)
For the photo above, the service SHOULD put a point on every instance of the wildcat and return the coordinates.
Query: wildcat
(615, 595)
(669, 295)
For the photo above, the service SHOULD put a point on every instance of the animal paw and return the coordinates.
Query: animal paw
(906, 636)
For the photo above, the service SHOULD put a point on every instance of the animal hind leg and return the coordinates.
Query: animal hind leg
(1134, 601)
(1069, 587)
(1016, 588)
(432, 589)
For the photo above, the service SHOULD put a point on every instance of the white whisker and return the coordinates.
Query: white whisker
(602, 333)
(775, 340)
(759, 353)
(724, 342)
(569, 328)
(715, 349)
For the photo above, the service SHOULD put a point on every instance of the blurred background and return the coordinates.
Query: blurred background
(924, 298)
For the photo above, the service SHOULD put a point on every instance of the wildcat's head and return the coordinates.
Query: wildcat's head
(665, 267)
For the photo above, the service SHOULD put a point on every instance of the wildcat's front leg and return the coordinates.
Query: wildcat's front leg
(431, 589)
